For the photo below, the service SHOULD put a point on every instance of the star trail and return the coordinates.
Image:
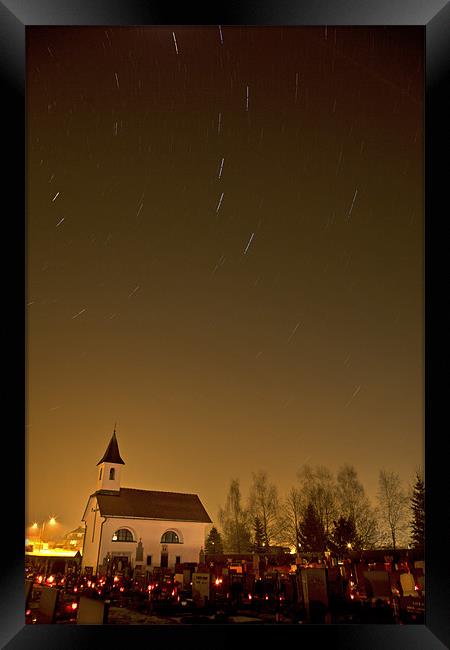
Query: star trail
(225, 255)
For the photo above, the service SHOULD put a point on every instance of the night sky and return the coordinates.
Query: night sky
(224, 256)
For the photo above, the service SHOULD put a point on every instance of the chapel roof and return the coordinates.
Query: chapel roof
(151, 504)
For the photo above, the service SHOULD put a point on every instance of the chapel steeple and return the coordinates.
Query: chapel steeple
(109, 472)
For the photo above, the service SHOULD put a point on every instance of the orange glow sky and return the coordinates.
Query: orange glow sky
(277, 325)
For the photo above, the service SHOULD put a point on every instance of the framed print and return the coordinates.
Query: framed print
(232, 241)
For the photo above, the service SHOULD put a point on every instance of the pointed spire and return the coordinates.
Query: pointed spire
(112, 454)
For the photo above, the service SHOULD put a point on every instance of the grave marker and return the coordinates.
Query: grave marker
(47, 604)
(90, 611)
(200, 587)
(377, 584)
(408, 585)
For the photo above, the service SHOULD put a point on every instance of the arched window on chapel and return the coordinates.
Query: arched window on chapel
(123, 535)
(170, 537)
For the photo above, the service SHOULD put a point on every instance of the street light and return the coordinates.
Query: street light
(35, 526)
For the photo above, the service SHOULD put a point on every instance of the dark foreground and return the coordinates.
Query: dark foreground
(309, 595)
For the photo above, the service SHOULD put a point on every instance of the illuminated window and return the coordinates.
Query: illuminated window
(101, 472)
(122, 535)
(112, 473)
(170, 537)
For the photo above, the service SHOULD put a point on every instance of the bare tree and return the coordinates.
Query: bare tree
(319, 488)
(263, 503)
(393, 505)
(353, 504)
(234, 521)
(292, 511)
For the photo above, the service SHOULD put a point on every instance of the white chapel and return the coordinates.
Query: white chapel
(138, 529)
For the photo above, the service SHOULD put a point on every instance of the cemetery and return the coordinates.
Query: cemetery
(239, 589)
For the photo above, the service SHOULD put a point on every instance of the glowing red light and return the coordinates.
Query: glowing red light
(74, 605)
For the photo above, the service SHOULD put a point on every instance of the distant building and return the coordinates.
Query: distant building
(74, 540)
(130, 529)
(52, 561)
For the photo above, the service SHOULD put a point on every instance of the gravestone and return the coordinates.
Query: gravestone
(200, 587)
(186, 578)
(28, 587)
(377, 584)
(139, 552)
(47, 604)
(408, 585)
(315, 592)
(420, 564)
(335, 585)
(90, 611)
(178, 577)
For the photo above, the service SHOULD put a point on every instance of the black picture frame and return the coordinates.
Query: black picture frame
(434, 16)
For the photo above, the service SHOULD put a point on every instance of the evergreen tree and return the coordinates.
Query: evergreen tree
(312, 531)
(214, 542)
(418, 512)
(259, 539)
(344, 533)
